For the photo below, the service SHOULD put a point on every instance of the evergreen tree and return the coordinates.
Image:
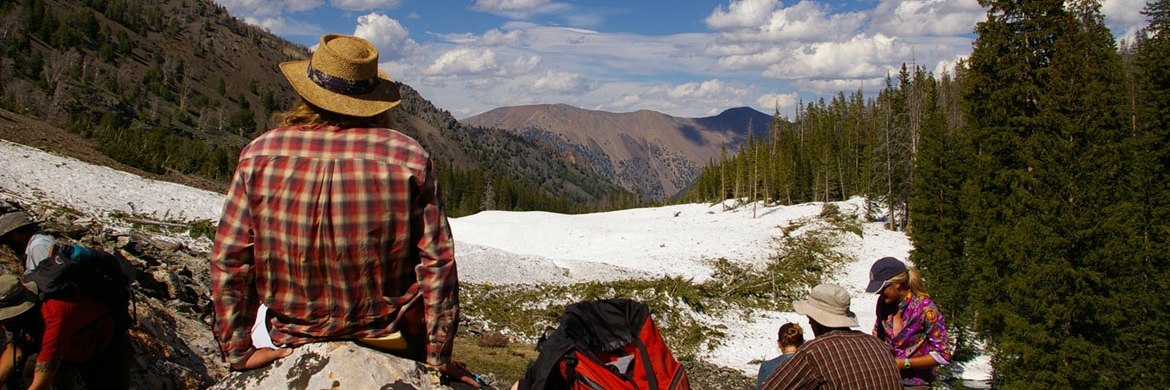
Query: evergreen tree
(1048, 235)
(1151, 128)
(938, 216)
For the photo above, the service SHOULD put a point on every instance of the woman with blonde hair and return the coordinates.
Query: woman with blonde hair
(789, 339)
(909, 321)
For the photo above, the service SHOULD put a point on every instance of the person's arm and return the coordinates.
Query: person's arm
(233, 293)
(44, 373)
(937, 340)
(438, 279)
(8, 360)
(60, 323)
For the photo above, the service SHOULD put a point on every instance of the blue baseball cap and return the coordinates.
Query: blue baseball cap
(881, 271)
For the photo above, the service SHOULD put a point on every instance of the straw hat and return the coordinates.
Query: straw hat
(15, 297)
(828, 304)
(343, 77)
(12, 221)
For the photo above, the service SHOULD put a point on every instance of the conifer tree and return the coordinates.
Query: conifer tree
(938, 217)
(1150, 186)
(1047, 232)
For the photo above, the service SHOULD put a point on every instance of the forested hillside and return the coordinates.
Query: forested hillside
(1033, 182)
(177, 87)
(849, 145)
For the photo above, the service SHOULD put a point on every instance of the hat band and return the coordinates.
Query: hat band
(341, 85)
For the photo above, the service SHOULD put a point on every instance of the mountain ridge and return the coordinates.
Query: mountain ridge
(649, 152)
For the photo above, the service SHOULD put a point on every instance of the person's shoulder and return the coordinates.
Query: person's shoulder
(927, 307)
(845, 336)
(396, 136)
(42, 238)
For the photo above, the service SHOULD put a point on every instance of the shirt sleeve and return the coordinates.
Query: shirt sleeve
(40, 247)
(937, 339)
(57, 328)
(233, 294)
(437, 276)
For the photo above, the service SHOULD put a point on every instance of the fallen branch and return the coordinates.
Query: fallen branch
(156, 223)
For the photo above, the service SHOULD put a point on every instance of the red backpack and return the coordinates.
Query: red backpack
(605, 345)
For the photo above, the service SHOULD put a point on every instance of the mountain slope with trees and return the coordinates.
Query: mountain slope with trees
(175, 88)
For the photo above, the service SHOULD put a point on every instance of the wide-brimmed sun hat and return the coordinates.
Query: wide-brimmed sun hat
(12, 221)
(828, 304)
(881, 271)
(15, 297)
(343, 77)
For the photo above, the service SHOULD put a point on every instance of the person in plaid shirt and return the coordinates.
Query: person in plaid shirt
(336, 225)
(839, 358)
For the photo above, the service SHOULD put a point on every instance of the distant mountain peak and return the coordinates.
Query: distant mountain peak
(645, 150)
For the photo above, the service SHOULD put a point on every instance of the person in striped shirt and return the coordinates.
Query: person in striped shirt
(336, 225)
(839, 358)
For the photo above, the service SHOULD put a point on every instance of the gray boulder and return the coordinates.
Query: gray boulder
(335, 365)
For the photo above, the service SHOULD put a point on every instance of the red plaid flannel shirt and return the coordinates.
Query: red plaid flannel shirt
(349, 230)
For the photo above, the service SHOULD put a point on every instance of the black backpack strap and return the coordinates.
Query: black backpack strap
(644, 356)
(570, 360)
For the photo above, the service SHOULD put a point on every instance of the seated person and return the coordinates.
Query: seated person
(790, 337)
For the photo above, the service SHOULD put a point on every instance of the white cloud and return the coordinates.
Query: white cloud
(741, 14)
(1127, 12)
(562, 83)
(268, 7)
(807, 21)
(693, 99)
(284, 27)
(1124, 17)
(392, 40)
(495, 37)
(519, 9)
(769, 103)
(926, 17)
(364, 5)
(861, 57)
(464, 62)
(750, 59)
(833, 86)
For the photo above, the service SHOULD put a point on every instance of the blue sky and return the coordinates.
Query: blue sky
(683, 58)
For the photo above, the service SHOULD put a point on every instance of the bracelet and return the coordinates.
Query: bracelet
(906, 363)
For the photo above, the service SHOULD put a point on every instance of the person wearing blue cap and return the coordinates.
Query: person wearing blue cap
(909, 321)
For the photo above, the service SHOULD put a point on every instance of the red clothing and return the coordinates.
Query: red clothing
(76, 329)
(349, 230)
(839, 360)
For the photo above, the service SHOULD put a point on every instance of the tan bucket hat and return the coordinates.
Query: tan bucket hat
(828, 304)
(15, 297)
(343, 77)
(12, 221)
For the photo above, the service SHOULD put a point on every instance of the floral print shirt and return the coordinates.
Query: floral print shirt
(923, 332)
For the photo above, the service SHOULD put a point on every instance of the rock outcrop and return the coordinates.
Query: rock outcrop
(334, 365)
(172, 340)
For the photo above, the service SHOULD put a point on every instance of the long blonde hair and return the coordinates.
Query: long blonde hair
(307, 114)
(913, 279)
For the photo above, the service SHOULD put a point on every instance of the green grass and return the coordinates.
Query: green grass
(687, 313)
